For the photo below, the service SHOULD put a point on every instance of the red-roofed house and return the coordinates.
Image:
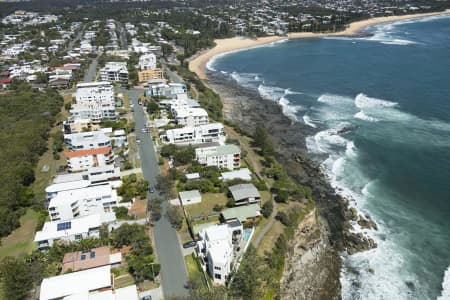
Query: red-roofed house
(81, 160)
(5, 82)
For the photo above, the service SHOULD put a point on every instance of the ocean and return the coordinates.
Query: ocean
(381, 107)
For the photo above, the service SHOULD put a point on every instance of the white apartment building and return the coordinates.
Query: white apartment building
(222, 156)
(95, 102)
(215, 250)
(180, 103)
(101, 92)
(93, 112)
(72, 230)
(194, 116)
(147, 61)
(114, 72)
(106, 175)
(81, 160)
(87, 140)
(209, 133)
(82, 202)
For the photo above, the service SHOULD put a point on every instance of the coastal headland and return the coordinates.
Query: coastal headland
(198, 63)
(313, 267)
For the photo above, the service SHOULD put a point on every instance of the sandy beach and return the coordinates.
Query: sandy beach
(198, 63)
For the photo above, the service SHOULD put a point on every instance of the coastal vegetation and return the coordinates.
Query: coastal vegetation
(18, 276)
(26, 118)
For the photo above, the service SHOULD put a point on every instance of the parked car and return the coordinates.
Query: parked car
(138, 141)
(151, 189)
(189, 244)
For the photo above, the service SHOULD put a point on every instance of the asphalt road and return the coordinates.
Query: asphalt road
(174, 77)
(173, 270)
(90, 74)
(77, 37)
(122, 35)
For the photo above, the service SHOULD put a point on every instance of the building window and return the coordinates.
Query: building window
(78, 236)
(217, 268)
(217, 276)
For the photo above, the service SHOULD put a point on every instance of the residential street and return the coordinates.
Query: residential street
(173, 270)
(92, 70)
(174, 77)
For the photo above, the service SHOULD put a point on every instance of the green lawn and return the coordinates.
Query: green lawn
(123, 281)
(193, 269)
(209, 200)
(20, 241)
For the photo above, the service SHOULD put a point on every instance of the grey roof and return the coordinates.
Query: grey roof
(186, 195)
(242, 213)
(244, 191)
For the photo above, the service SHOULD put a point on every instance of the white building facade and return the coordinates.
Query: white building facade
(215, 250)
(82, 160)
(87, 140)
(194, 116)
(114, 72)
(223, 156)
(72, 230)
(101, 92)
(209, 133)
(147, 61)
(82, 202)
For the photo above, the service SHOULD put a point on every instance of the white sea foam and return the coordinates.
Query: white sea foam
(445, 293)
(362, 116)
(333, 99)
(365, 275)
(289, 109)
(249, 80)
(307, 120)
(272, 93)
(364, 101)
(280, 95)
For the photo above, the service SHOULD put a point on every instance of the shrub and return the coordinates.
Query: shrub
(283, 218)
(218, 207)
(267, 209)
(282, 196)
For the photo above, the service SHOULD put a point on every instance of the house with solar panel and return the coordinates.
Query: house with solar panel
(72, 230)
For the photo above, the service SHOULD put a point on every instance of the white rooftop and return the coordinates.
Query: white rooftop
(219, 232)
(77, 226)
(93, 84)
(68, 177)
(75, 283)
(67, 186)
(243, 173)
(220, 251)
(192, 111)
(82, 193)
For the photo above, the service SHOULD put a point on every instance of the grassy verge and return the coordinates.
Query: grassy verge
(20, 241)
(194, 270)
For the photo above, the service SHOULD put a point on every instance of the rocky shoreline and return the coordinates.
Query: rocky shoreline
(316, 275)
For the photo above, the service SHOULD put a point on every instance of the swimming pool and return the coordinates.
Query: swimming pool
(246, 234)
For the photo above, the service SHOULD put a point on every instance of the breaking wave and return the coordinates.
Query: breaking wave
(445, 293)
(362, 116)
